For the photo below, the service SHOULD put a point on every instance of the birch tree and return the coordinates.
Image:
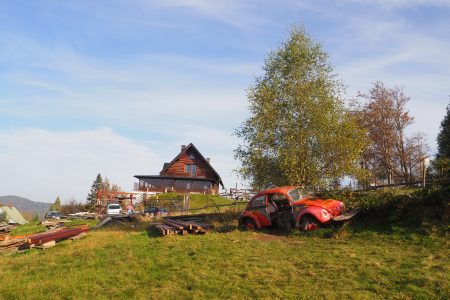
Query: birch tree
(299, 131)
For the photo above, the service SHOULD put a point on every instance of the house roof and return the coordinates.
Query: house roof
(184, 150)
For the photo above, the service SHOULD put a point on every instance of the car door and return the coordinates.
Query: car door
(259, 207)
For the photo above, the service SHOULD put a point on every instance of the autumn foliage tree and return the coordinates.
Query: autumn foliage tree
(299, 131)
(391, 154)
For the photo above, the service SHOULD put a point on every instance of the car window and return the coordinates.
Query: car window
(114, 206)
(278, 197)
(259, 201)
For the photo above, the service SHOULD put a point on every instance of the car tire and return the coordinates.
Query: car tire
(309, 223)
(249, 225)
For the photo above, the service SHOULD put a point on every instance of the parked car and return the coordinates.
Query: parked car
(54, 215)
(290, 206)
(156, 211)
(113, 209)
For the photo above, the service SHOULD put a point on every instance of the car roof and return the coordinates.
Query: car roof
(280, 189)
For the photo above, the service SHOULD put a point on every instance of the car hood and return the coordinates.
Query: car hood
(335, 207)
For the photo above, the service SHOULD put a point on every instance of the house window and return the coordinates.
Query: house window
(191, 170)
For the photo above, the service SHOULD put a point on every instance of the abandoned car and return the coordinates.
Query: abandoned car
(290, 206)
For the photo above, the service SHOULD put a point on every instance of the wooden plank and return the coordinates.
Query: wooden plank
(46, 245)
(77, 237)
(106, 220)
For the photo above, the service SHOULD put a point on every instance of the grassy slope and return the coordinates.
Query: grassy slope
(125, 262)
(378, 260)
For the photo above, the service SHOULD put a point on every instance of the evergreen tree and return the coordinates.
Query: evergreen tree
(56, 206)
(3, 218)
(35, 218)
(96, 186)
(441, 165)
(443, 139)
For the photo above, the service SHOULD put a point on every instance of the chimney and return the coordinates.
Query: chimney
(208, 160)
(183, 147)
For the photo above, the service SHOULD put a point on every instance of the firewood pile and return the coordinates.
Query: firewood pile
(182, 226)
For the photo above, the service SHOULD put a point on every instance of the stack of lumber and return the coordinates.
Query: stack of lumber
(12, 243)
(50, 224)
(4, 229)
(55, 235)
(181, 226)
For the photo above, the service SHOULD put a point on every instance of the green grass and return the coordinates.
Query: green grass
(120, 262)
(364, 259)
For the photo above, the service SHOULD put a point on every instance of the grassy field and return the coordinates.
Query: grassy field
(125, 261)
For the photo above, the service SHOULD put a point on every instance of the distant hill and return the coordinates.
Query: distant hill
(26, 205)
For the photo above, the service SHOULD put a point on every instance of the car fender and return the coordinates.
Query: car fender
(316, 212)
(251, 215)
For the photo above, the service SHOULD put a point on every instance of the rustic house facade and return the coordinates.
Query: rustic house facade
(188, 172)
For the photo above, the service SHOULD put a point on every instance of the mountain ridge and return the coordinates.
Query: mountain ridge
(26, 205)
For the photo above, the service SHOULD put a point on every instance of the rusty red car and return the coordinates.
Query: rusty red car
(290, 206)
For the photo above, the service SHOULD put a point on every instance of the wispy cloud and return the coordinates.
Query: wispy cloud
(399, 3)
(234, 12)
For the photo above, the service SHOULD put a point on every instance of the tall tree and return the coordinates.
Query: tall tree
(56, 206)
(441, 165)
(97, 185)
(391, 154)
(443, 139)
(299, 131)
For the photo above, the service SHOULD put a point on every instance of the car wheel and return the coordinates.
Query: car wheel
(310, 223)
(249, 225)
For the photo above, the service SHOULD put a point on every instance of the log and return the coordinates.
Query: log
(40, 239)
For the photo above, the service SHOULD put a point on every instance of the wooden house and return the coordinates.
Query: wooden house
(188, 172)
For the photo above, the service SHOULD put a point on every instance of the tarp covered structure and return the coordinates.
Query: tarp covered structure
(13, 216)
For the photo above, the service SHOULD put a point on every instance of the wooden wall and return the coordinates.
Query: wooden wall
(190, 157)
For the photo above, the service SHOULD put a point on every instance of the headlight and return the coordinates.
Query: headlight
(324, 213)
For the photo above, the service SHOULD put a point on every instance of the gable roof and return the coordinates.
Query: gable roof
(191, 146)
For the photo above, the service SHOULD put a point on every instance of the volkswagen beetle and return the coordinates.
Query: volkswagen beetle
(290, 206)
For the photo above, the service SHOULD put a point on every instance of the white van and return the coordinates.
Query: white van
(113, 209)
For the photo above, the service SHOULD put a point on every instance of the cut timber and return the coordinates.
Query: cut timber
(106, 220)
(39, 239)
(46, 245)
(77, 237)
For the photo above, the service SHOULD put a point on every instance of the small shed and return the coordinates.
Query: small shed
(13, 216)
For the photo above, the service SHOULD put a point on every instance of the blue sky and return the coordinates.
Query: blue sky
(117, 86)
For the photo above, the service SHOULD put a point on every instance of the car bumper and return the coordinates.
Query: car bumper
(346, 216)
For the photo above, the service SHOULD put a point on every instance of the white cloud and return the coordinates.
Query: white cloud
(41, 164)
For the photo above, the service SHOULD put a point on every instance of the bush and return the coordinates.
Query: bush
(418, 210)
(73, 207)
(3, 218)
